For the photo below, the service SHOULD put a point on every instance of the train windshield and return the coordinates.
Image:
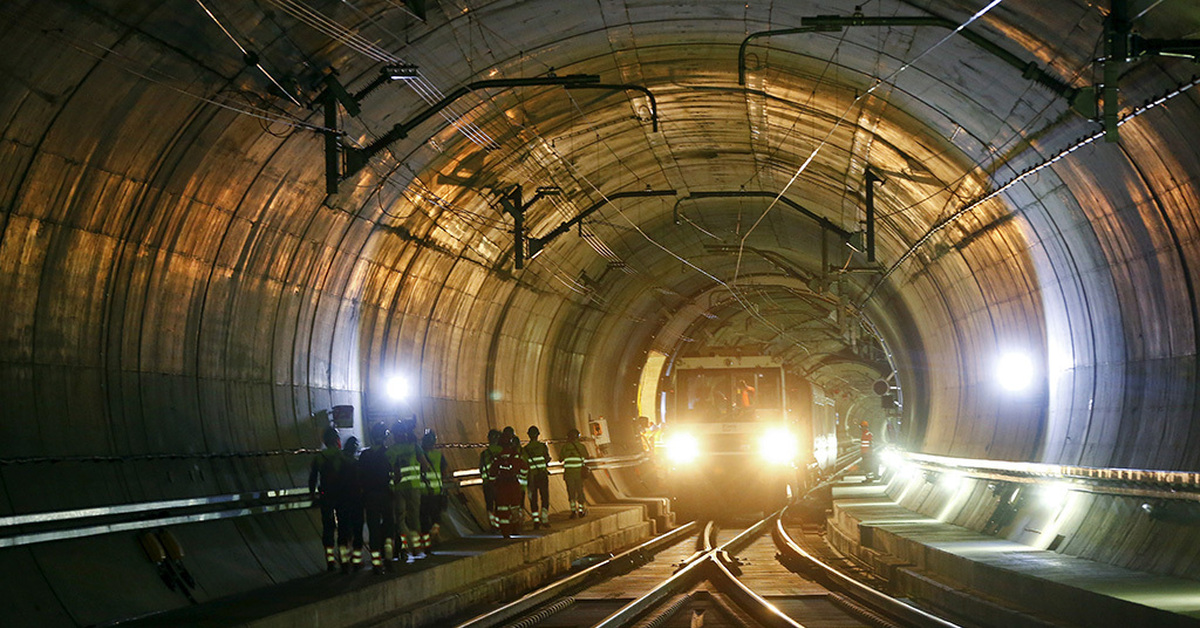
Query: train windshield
(718, 395)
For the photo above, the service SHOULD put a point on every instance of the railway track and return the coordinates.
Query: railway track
(759, 575)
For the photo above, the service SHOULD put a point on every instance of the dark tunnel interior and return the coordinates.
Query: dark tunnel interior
(180, 279)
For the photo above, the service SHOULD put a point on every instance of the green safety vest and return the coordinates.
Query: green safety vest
(486, 457)
(432, 477)
(538, 456)
(405, 464)
(573, 456)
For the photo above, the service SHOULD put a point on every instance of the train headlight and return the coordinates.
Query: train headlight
(778, 446)
(682, 448)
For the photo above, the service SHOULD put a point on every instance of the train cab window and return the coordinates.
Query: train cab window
(708, 395)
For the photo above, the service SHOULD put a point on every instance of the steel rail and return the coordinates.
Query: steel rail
(796, 558)
(759, 608)
(545, 595)
(686, 577)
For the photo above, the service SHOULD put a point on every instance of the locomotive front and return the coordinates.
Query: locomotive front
(729, 445)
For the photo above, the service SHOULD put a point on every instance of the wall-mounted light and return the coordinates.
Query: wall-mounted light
(1014, 371)
(398, 388)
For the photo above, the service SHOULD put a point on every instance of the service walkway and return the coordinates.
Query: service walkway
(1004, 583)
(463, 573)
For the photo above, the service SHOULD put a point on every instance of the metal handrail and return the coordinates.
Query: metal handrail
(1151, 483)
(41, 527)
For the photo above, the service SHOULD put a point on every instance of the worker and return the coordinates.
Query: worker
(374, 479)
(574, 458)
(511, 473)
(325, 482)
(434, 482)
(745, 394)
(486, 457)
(537, 455)
(350, 512)
(407, 461)
(648, 434)
(867, 450)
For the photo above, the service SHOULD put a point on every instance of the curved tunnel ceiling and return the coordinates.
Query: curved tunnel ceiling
(172, 259)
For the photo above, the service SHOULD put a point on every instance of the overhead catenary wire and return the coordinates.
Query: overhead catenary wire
(246, 56)
(1082, 142)
(825, 140)
(427, 91)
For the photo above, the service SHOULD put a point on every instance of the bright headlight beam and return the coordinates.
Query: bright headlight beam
(777, 446)
(682, 448)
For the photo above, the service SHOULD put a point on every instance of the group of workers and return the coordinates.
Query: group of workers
(508, 469)
(398, 486)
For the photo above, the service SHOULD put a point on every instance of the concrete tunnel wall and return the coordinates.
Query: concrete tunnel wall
(176, 280)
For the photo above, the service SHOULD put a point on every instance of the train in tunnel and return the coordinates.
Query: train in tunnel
(741, 435)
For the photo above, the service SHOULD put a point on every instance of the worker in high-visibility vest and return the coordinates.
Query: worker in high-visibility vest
(350, 513)
(573, 455)
(374, 480)
(407, 460)
(486, 457)
(434, 482)
(537, 454)
(510, 471)
(866, 449)
(325, 482)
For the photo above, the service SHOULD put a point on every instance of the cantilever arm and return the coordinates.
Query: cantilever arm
(357, 158)
(835, 23)
(615, 86)
(537, 244)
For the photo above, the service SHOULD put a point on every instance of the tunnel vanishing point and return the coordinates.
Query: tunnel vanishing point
(218, 218)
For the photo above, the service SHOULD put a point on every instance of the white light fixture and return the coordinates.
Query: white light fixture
(1014, 372)
(398, 388)
(402, 72)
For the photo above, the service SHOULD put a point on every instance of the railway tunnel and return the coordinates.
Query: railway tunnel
(221, 218)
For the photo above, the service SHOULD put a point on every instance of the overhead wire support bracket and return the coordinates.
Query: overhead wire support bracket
(835, 23)
(626, 86)
(871, 180)
(1122, 45)
(343, 161)
(514, 206)
(817, 218)
(357, 158)
(536, 245)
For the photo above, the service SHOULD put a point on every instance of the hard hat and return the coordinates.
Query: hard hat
(429, 439)
(351, 445)
(533, 430)
(865, 423)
